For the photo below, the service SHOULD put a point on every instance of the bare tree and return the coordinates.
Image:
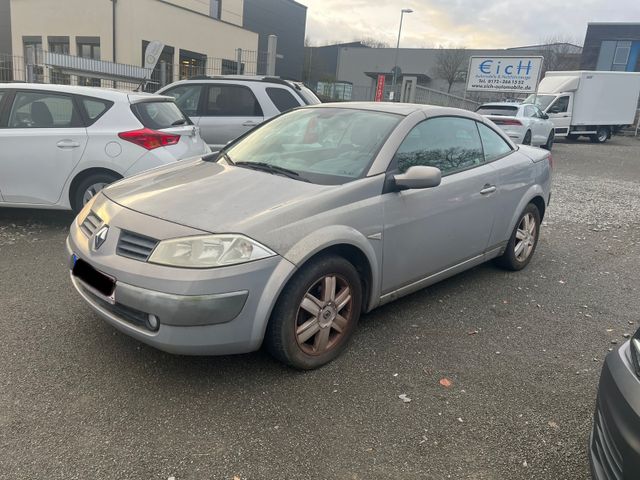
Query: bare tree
(560, 53)
(450, 65)
(373, 42)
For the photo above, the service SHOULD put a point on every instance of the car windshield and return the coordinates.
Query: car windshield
(541, 101)
(328, 146)
(499, 110)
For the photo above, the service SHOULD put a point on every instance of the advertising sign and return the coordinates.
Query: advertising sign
(380, 88)
(504, 74)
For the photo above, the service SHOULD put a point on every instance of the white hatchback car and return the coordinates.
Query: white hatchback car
(523, 123)
(62, 144)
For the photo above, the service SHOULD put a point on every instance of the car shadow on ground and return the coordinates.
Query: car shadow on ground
(28, 216)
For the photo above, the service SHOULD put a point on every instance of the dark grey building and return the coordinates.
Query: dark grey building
(612, 46)
(287, 20)
(321, 63)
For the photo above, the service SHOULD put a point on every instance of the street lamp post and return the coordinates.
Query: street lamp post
(395, 63)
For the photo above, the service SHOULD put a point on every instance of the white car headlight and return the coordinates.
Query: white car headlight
(208, 251)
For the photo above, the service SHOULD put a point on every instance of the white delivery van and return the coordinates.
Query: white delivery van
(594, 104)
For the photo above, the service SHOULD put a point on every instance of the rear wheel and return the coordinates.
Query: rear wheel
(523, 241)
(527, 138)
(601, 136)
(89, 187)
(550, 140)
(316, 314)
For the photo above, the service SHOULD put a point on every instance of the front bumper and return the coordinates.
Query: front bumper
(614, 450)
(215, 311)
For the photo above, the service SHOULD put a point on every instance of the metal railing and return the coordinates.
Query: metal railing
(40, 70)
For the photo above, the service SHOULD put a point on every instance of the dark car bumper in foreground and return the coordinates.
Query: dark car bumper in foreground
(614, 450)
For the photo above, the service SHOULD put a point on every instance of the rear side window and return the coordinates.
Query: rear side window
(493, 144)
(282, 99)
(231, 101)
(187, 98)
(159, 115)
(95, 107)
(502, 110)
(43, 110)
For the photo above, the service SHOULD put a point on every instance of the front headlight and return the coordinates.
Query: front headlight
(208, 251)
(635, 351)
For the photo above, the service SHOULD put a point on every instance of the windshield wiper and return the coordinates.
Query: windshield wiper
(267, 167)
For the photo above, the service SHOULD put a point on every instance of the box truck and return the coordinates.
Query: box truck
(593, 104)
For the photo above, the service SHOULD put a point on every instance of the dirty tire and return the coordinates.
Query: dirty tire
(510, 260)
(285, 338)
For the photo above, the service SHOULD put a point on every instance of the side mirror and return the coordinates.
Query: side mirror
(418, 177)
(545, 116)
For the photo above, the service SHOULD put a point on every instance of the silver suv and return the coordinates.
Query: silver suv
(226, 107)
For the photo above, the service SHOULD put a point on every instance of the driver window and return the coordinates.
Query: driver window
(561, 105)
(451, 144)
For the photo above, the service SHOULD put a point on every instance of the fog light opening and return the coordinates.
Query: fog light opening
(153, 323)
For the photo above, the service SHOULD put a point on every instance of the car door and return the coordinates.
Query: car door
(513, 180)
(42, 142)
(535, 126)
(560, 114)
(430, 230)
(3, 95)
(228, 112)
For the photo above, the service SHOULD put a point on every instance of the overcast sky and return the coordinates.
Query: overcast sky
(468, 23)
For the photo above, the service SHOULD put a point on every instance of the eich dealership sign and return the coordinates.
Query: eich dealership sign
(504, 74)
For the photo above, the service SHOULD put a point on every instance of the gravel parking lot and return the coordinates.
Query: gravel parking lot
(522, 351)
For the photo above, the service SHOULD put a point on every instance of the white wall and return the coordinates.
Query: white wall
(136, 20)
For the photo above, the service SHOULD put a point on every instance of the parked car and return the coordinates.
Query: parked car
(62, 144)
(595, 104)
(295, 229)
(614, 451)
(226, 107)
(523, 123)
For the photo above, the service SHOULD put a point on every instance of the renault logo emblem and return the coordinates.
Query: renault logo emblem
(100, 237)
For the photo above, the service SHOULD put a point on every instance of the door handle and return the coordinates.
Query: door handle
(488, 189)
(250, 123)
(67, 144)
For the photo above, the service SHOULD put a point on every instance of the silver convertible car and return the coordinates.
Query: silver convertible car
(294, 230)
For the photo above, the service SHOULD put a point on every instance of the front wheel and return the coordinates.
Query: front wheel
(317, 313)
(601, 136)
(523, 241)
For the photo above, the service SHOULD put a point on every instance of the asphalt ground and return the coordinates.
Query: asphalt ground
(522, 351)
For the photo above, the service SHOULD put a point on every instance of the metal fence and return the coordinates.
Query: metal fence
(40, 70)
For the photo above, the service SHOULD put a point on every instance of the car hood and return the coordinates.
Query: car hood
(213, 197)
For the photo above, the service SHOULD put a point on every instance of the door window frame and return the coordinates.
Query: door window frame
(393, 164)
(5, 111)
(204, 99)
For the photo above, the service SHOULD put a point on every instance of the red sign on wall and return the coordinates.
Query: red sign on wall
(380, 88)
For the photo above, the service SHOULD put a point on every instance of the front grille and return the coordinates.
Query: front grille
(134, 246)
(90, 224)
(605, 449)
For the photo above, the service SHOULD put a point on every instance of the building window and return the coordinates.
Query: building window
(59, 45)
(33, 56)
(89, 47)
(192, 64)
(614, 55)
(215, 9)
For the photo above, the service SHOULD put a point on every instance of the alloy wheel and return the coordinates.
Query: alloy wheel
(92, 191)
(324, 314)
(525, 237)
